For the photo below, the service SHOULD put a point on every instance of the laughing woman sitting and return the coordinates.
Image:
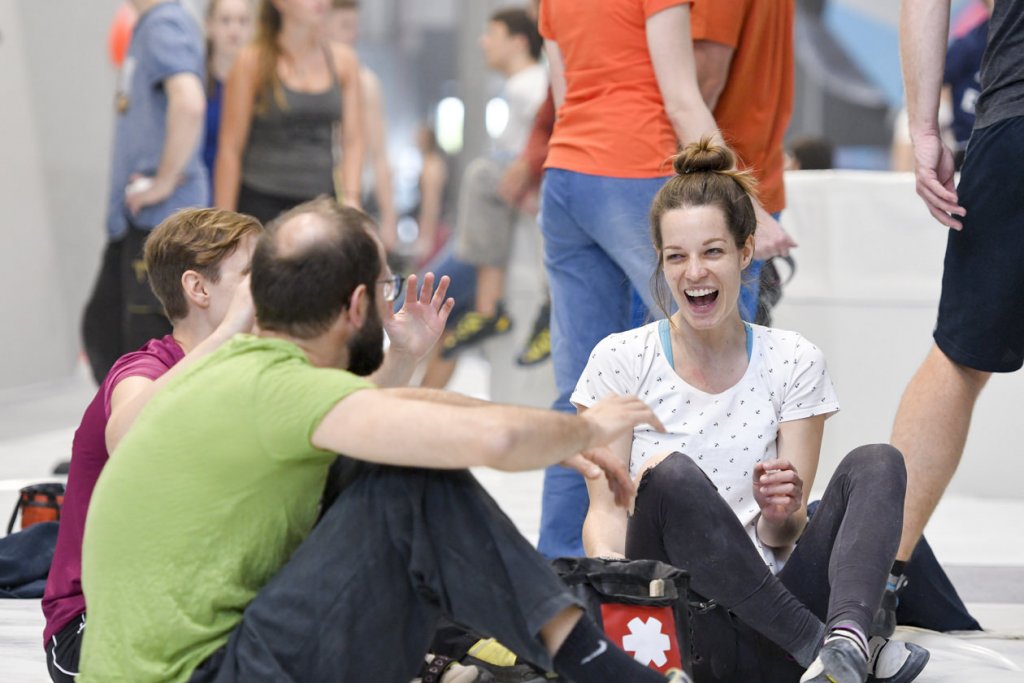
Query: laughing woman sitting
(723, 494)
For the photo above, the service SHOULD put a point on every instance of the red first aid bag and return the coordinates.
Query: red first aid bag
(640, 604)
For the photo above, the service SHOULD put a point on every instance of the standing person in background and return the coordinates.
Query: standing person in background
(485, 223)
(980, 325)
(343, 27)
(434, 251)
(431, 210)
(520, 186)
(624, 82)
(744, 56)
(810, 153)
(228, 29)
(287, 97)
(156, 170)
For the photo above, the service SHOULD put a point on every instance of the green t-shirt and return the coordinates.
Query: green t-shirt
(204, 500)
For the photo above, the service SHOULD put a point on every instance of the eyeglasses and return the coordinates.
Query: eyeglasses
(392, 287)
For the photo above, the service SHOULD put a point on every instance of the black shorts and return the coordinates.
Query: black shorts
(981, 312)
(63, 650)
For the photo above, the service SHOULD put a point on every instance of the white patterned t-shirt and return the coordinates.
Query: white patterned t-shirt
(726, 434)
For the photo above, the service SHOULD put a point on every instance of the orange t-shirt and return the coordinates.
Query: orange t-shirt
(754, 108)
(613, 121)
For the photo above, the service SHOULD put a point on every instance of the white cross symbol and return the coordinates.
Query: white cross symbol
(647, 641)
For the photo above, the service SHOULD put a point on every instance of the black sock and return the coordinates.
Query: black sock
(587, 656)
(897, 568)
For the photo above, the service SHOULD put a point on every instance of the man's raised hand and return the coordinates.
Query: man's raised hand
(417, 326)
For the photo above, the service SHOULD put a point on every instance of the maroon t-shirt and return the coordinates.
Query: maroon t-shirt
(63, 599)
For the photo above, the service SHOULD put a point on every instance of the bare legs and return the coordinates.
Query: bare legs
(439, 370)
(930, 430)
(490, 289)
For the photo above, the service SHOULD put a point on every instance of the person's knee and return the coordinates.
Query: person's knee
(879, 462)
(971, 378)
(677, 477)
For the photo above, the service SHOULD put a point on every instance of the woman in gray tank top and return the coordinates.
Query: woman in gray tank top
(290, 114)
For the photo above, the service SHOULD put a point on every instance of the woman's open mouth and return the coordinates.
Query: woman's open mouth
(701, 298)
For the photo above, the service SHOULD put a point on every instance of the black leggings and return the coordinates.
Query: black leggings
(264, 206)
(771, 626)
(122, 313)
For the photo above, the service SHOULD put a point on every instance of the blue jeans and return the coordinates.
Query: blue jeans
(596, 244)
(750, 287)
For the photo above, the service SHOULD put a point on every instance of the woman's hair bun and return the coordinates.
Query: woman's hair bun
(704, 156)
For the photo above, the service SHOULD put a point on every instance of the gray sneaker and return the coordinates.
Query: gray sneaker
(893, 661)
(838, 661)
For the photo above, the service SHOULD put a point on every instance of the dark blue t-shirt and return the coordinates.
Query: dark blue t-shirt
(166, 42)
(963, 64)
(213, 102)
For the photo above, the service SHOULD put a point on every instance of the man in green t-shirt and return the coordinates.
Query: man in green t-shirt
(200, 560)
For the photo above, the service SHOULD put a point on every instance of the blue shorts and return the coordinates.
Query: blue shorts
(463, 281)
(981, 311)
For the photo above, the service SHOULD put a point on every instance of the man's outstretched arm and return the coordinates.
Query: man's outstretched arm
(385, 427)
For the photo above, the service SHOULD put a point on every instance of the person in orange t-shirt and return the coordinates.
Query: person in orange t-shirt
(744, 57)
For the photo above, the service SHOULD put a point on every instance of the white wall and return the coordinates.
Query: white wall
(56, 94)
(866, 292)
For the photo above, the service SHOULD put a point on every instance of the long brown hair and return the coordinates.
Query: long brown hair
(706, 175)
(267, 81)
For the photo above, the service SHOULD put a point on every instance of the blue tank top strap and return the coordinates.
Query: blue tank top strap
(666, 340)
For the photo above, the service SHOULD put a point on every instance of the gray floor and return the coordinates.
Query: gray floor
(36, 428)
